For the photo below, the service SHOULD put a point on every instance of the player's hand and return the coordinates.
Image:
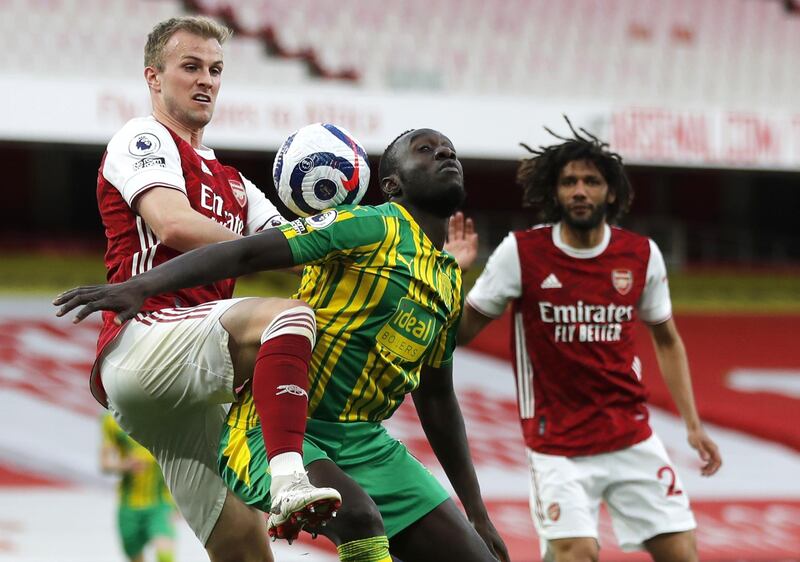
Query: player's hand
(707, 449)
(122, 298)
(133, 465)
(491, 537)
(462, 240)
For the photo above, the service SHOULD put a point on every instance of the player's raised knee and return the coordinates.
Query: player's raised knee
(293, 317)
(253, 321)
(359, 520)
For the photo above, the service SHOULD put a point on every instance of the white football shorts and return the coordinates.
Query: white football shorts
(169, 380)
(638, 484)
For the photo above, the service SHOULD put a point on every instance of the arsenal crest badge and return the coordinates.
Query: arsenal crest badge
(554, 511)
(622, 279)
(239, 192)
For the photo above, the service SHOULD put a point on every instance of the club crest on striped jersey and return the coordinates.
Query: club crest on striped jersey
(622, 279)
(238, 192)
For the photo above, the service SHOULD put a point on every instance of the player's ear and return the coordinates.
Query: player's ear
(611, 197)
(152, 78)
(390, 186)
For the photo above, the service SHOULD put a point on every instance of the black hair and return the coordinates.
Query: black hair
(538, 175)
(388, 163)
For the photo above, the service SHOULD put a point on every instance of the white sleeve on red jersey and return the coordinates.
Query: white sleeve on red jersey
(261, 213)
(655, 305)
(500, 282)
(143, 155)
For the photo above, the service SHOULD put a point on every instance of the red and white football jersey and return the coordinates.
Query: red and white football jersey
(578, 378)
(146, 154)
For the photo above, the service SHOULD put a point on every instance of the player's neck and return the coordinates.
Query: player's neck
(434, 227)
(193, 136)
(581, 239)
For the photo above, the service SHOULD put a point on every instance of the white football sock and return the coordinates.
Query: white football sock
(286, 464)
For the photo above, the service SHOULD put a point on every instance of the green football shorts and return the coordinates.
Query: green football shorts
(137, 527)
(402, 488)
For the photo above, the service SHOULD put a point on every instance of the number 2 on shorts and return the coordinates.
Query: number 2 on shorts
(671, 489)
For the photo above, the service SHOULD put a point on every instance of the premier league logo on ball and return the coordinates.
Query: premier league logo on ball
(319, 167)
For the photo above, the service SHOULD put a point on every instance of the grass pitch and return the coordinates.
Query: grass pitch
(718, 291)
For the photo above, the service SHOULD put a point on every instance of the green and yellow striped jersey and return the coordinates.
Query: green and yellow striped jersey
(386, 302)
(140, 489)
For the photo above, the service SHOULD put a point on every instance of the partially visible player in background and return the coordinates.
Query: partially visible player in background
(388, 300)
(577, 285)
(145, 511)
(168, 373)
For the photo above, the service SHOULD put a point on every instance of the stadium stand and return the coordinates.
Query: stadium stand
(56, 38)
(736, 54)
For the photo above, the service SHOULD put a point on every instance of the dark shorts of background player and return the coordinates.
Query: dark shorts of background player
(139, 526)
(402, 488)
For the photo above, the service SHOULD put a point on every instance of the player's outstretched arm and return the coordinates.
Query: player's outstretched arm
(462, 240)
(441, 419)
(674, 365)
(267, 250)
(472, 323)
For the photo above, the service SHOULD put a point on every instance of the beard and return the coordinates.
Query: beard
(594, 219)
(447, 202)
(440, 198)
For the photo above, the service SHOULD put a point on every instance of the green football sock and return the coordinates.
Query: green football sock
(373, 549)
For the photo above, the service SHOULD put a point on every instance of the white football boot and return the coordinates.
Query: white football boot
(297, 503)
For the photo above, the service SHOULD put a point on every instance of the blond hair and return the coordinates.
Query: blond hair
(198, 25)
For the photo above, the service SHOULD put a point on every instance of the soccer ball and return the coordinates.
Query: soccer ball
(318, 167)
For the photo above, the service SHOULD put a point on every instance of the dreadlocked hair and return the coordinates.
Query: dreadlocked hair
(538, 175)
(388, 163)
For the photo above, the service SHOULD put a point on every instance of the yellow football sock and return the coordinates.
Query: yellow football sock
(373, 549)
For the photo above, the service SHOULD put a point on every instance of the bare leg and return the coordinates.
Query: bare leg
(358, 517)
(673, 547)
(579, 549)
(442, 534)
(240, 534)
